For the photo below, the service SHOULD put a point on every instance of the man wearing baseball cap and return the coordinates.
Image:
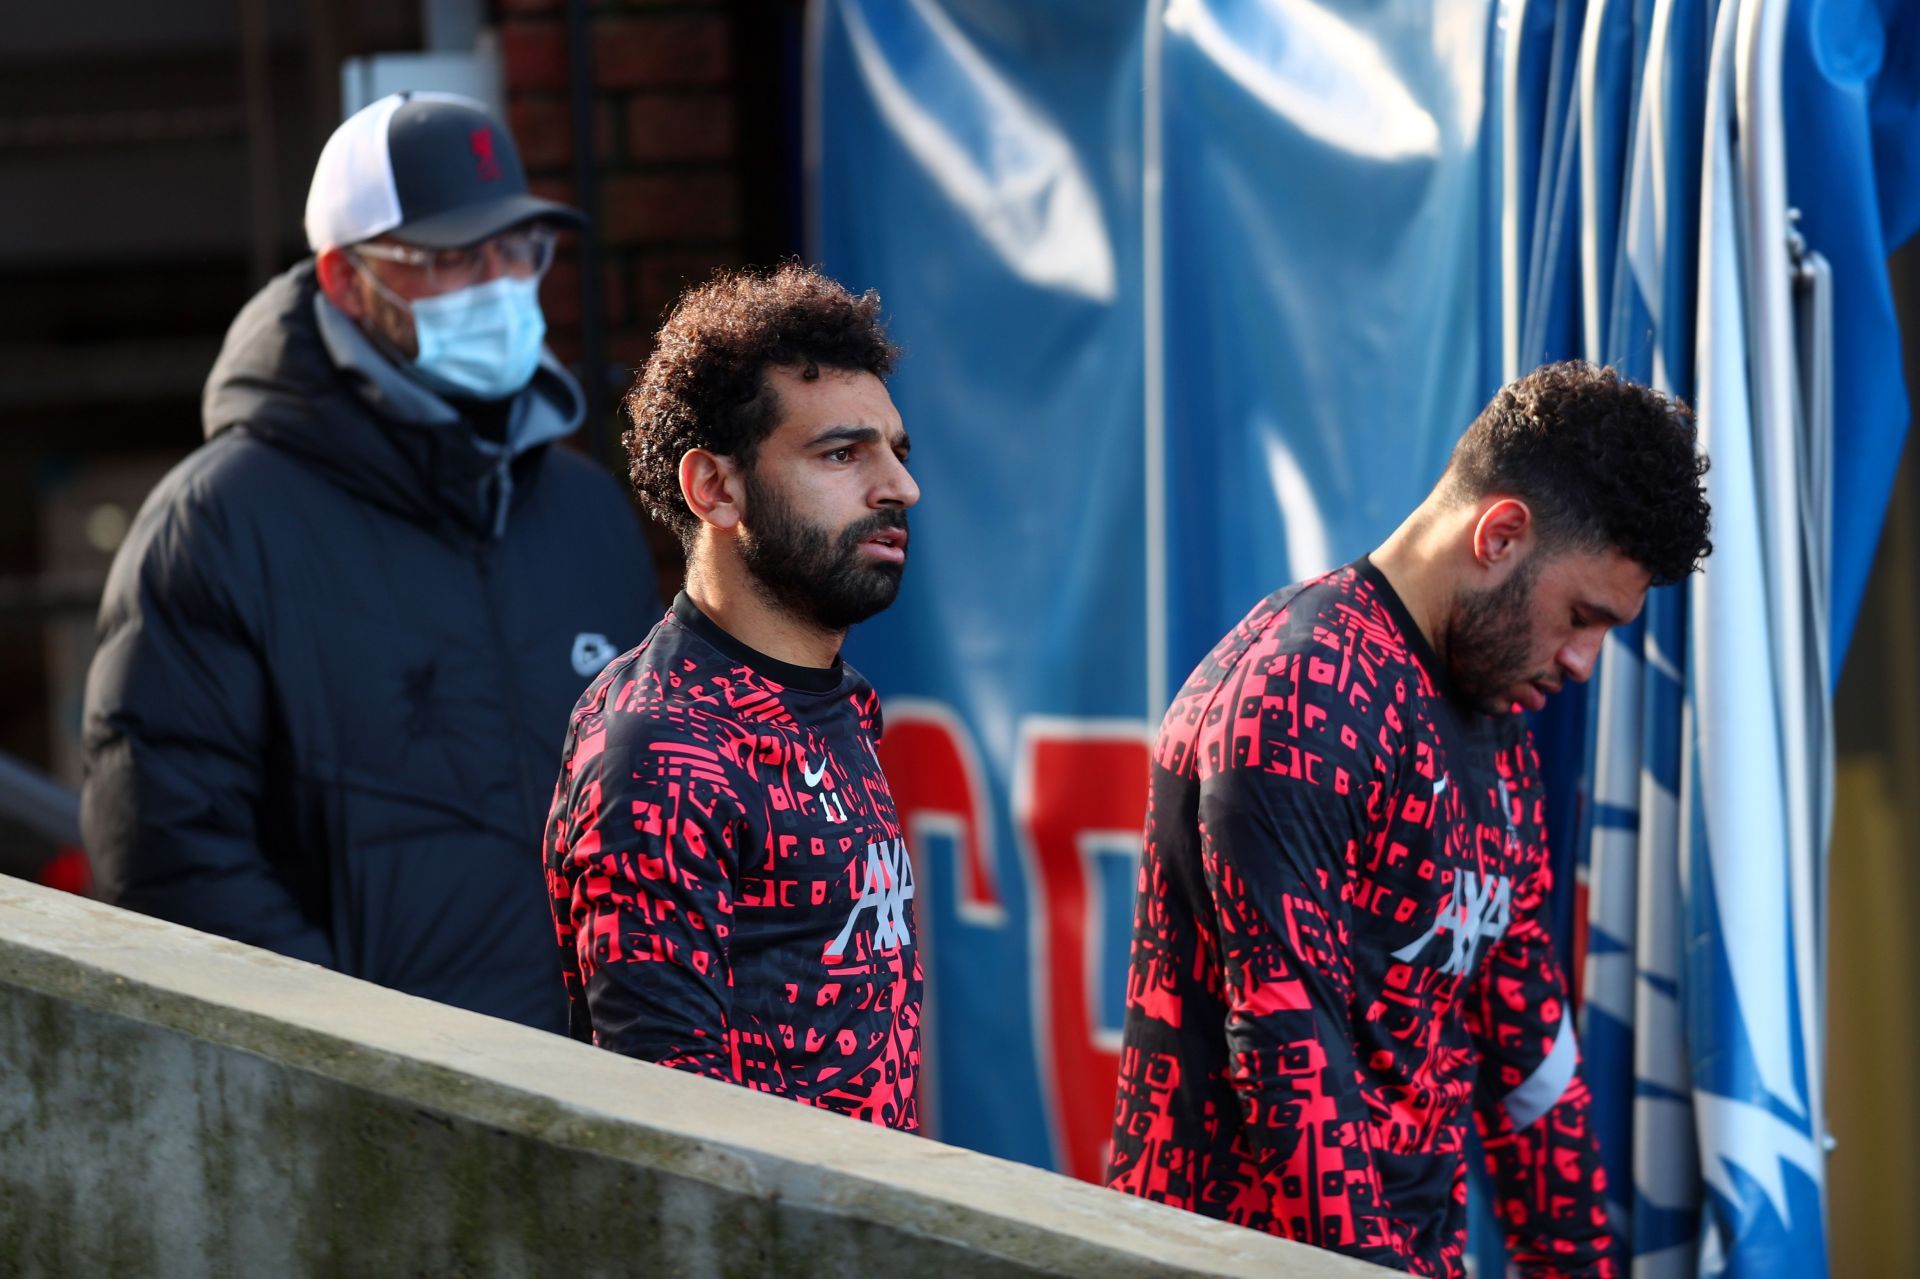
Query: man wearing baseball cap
(339, 647)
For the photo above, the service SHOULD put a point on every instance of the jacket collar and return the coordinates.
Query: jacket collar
(298, 374)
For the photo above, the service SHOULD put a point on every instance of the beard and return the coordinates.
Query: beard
(808, 571)
(1489, 638)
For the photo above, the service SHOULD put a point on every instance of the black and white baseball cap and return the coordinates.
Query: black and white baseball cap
(435, 167)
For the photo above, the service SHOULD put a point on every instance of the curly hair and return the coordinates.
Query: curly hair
(705, 387)
(1603, 462)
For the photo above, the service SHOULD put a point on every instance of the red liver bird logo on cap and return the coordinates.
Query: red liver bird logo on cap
(488, 167)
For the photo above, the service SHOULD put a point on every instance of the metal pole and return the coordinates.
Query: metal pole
(39, 803)
(1153, 304)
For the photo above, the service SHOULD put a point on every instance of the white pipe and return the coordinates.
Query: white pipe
(1774, 373)
(1512, 23)
(1593, 298)
(1154, 358)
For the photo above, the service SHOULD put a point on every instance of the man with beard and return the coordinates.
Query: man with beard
(1340, 938)
(727, 872)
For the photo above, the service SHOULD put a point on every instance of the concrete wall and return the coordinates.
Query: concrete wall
(176, 1104)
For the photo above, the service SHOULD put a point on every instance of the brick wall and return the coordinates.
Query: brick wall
(666, 153)
(688, 132)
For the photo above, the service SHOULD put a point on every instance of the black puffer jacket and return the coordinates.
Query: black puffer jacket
(337, 655)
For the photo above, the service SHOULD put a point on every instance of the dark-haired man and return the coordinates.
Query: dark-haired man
(338, 647)
(728, 876)
(1339, 943)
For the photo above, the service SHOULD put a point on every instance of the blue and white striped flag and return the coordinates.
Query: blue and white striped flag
(1634, 1012)
(1702, 978)
(1751, 972)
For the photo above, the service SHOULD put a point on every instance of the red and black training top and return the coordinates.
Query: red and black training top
(728, 875)
(1339, 944)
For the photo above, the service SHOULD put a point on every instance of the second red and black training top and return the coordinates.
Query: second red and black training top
(728, 875)
(1339, 954)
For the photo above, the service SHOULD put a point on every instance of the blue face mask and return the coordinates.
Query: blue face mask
(482, 341)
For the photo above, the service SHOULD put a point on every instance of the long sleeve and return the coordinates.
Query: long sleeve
(642, 859)
(1532, 1105)
(1276, 846)
(176, 728)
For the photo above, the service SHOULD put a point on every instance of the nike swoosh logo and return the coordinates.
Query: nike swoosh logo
(813, 778)
(1440, 786)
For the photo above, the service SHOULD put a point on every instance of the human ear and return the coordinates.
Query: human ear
(1504, 530)
(711, 487)
(336, 275)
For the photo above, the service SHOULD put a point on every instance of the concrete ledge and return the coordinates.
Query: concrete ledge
(177, 1104)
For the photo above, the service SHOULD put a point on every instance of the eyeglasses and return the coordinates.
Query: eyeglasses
(522, 251)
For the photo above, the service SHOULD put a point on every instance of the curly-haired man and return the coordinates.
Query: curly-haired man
(1339, 943)
(726, 868)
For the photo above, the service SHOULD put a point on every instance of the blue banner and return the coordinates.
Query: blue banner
(1131, 432)
(1323, 268)
(980, 166)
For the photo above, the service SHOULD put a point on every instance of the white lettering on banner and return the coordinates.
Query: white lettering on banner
(888, 889)
(1479, 910)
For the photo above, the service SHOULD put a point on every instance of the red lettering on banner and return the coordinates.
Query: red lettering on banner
(938, 790)
(1076, 781)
